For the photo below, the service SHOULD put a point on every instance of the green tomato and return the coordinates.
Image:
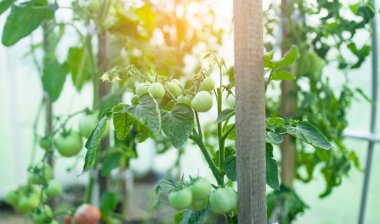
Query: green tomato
(207, 84)
(87, 124)
(141, 88)
(53, 189)
(156, 90)
(174, 87)
(43, 215)
(135, 100)
(180, 199)
(12, 197)
(41, 174)
(184, 99)
(231, 101)
(45, 143)
(233, 196)
(199, 205)
(28, 203)
(200, 189)
(93, 5)
(221, 201)
(202, 102)
(69, 145)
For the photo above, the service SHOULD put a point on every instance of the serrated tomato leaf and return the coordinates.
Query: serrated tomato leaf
(178, 124)
(147, 113)
(308, 133)
(122, 121)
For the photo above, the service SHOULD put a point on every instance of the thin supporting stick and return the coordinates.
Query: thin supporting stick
(375, 72)
(250, 111)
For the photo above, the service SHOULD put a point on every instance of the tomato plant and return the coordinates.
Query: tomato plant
(167, 104)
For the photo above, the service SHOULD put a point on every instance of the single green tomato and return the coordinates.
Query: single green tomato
(180, 199)
(231, 101)
(93, 5)
(12, 197)
(156, 90)
(69, 145)
(221, 201)
(87, 124)
(200, 189)
(202, 102)
(233, 196)
(53, 189)
(28, 203)
(174, 87)
(43, 215)
(207, 84)
(135, 100)
(41, 174)
(199, 205)
(184, 99)
(141, 88)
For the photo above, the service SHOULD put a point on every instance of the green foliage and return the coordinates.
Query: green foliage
(79, 65)
(230, 167)
(271, 169)
(93, 142)
(191, 217)
(291, 202)
(178, 124)
(24, 19)
(5, 4)
(53, 79)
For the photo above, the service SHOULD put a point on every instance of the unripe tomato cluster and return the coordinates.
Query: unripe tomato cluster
(198, 195)
(201, 102)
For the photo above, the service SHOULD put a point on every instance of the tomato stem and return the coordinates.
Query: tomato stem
(199, 141)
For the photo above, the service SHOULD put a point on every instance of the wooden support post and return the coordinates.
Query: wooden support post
(287, 109)
(250, 111)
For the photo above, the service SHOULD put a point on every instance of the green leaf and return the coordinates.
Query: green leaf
(289, 58)
(293, 205)
(122, 121)
(5, 4)
(178, 124)
(142, 132)
(192, 217)
(78, 61)
(275, 121)
(109, 202)
(110, 162)
(225, 115)
(92, 144)
(230, 167)
(274, 138)
(53, 79)
(282, 75)
(324, 155)
(24, 19)
(148, 113)
(310, 134)
(271, 169)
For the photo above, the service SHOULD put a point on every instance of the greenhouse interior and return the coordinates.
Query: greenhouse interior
(189, 111)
